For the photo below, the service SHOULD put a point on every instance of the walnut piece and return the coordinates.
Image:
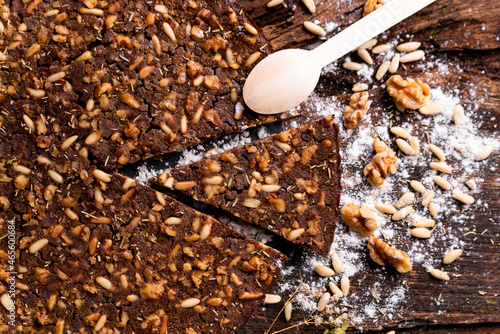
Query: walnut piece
(370, 6)
(408, 93)
(383, 254)
(359, 220)
(357, 109)
(383, 162)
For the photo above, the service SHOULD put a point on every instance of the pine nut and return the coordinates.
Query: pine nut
(440, 166)
(405, 147)
(270, 188)
(37, 245)
(345, 285)
(442, 182)
(324, 271)
(100, 175)
(132, 298)
(431, 109)
(21, 169)
(352, 66)
(29, 123)
(337, 263)
(84, 57)
(452, 256)
(214, 180)
(100, 323)
(428, 198)
(440, 275)
(386, 208)
(369, 44)
(458, 114)
(400, 132)
(359, 87)
(314, 28)
(485, 153)
(56, 176)
(105, 283)
(335, 290)
(405, 200)
(6, 301)
(412, 56)
(421, 232)
(424, 223)
(56, 76)
(272, 299)
(323, 301)
(190, 302)
(393, 68)
(433, 209)
(363, 54)
(93, 138)
(36, 93)
(184, 185)
(409, 46)
(403, 213)
(294, 234)
(471, 184)
(68, 142)
(415, 144)
(438, 152)
(71, 214)
(274, 3)
(310, 5)
(288, 311)
(173, 221)
(162, 9)
(169, 31)
(382, 70)
(252, 58)
(418, 186)
(205, 231)
(44, 160)
(464, 198)
(381, 48)
(93, 11)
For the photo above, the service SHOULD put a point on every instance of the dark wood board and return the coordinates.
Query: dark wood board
(461, 32)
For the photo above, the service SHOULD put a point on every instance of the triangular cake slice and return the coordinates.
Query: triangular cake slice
(288, 183)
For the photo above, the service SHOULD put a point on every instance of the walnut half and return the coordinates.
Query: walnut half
(382, 163)
(408, 93)
(357, 109)
(383, 254)
(360, 220)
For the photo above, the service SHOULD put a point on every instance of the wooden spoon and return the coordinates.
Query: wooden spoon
(284, 79)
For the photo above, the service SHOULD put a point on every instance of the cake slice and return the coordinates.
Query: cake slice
(99, 252)
(288, 183)
(130, 79)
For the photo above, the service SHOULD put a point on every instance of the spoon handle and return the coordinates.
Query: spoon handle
(365, 29)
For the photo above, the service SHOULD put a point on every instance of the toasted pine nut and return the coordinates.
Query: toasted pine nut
(421, 232)
(381, 48)
(403, 213)
(440, 166)
(418, 186)
(183, 185)
(442, 182)
(314, 28)
(352, 66)
(84, 57)
(359, 87)
(363, 54)
(37, 245)
(105, 283)
(471, 184)
(272, 299)
(424, 223)
(405, 147)
(393, 68)
(56, 176)
(412, 56)
(386, 208)
(382, 70)
(409, 46)
(464, 198)
(439, 274)
(431, 109)
(252, 58)
(310, 5)
(294, 234)
(458, 114)
(452, 256)
(400, 132)
(485, 153)
(68, 142)
(274, 3)
(324, 271)
(190, 302)
(345, 285)
(428, 198)
(93, 138)
(438, 152)
(100, 175)
(433, 209)
(270, 188)
(169, 31)
(56, 76)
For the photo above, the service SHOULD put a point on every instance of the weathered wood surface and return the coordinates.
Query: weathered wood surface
(464, 33)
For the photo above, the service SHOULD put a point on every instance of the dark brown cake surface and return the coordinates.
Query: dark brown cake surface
(130, 79)
(288, 183)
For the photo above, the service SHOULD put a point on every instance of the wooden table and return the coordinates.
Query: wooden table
(463, 32)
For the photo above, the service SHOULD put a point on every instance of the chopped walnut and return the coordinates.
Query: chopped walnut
(359, 220)
(383, 162)
(370, 6)
(383, 254)
(408, 93)
(356, 111)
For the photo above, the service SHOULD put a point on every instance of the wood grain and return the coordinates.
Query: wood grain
(460, 33)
